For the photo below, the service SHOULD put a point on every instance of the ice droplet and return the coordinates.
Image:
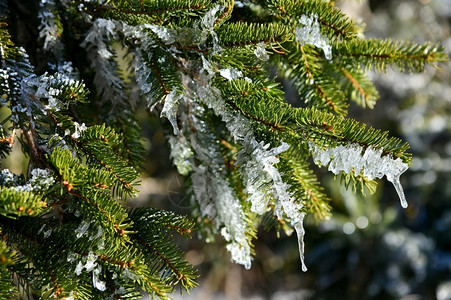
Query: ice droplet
(79, 268)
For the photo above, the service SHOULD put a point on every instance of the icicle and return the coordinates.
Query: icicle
(299, 227)
(207, 23)
(231, 215)
(310, 33)
(257, 163)
(171, 104)
(400, 191)
(209, 19)
(373, 164)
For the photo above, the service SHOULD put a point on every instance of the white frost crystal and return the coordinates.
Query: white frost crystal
(350, 158)
(234, 230)
(310, 33)
(41, 179)
(48, 28)
(87, 262)
(260, 52)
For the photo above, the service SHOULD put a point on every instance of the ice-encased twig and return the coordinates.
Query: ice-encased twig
(355, 158)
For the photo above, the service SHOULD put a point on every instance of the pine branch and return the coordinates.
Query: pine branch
(303, 67)
(139, 12)
(152, 237)
(241, 34)
(380, 53)
(358, 87)
(334, 23)
(305, 185)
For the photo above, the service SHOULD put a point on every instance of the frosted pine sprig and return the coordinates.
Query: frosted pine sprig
(353, 158)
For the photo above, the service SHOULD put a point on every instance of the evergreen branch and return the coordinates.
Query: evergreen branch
(38, 263)
(130, 135)
(138, 12)
(380, 53)
(98, 143)
(358, 87)
(333, 21)
(162, 220)
(315, 87)
(6, 142)
(226, 14)
(7, 290)
(151, 228)
(326, 87)
(311, 124)
(156, 77)
(242, 33)
(73, 177)
(341, 130)
(15, 203)
(358, 183)
(304, 184)
(7, 49)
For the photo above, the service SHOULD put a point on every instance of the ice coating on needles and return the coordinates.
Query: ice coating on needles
(261, 178)
(350, 158)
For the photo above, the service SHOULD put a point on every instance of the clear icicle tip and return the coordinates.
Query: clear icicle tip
(299, 227)
(400, 191)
